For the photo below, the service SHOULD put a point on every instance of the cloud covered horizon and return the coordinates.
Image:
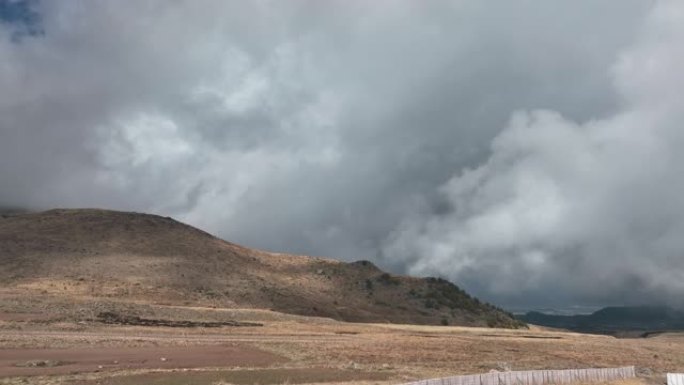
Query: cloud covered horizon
(527, 151)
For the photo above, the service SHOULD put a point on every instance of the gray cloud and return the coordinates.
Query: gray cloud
(341, 130)
(581, 210)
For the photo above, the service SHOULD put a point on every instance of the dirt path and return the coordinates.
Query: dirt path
(25, 362)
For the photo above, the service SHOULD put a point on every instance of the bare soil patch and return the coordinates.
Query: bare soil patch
(246, 377)
(20, 362)
(24, 317)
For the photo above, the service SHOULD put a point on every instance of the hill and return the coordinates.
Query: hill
(614, 320)
(141, 258)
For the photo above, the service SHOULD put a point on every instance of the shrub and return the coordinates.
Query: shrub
(388, 279)
(431, 304)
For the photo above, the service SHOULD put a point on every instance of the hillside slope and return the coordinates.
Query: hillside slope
(145, 258)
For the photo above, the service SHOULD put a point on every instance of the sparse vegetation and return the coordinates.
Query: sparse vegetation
(121, 319)
(431, 304)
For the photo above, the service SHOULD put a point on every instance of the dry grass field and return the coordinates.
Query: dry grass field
(296, 349)
(61, 270)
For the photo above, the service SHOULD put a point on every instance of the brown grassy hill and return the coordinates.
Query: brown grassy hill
(140, 258)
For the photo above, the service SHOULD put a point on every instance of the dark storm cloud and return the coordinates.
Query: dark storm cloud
(342, 129)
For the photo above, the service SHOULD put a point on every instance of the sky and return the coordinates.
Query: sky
(527, 150)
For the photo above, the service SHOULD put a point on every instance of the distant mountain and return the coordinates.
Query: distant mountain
(612, 320)
(139, 258)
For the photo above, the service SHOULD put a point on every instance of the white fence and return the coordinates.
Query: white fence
(675, 379)
(537, 377)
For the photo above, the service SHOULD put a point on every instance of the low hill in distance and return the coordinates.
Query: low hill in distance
(619, 321)
(10, 210)
(141, 258)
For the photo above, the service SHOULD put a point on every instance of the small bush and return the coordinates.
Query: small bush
(431, 304)
(388, 279)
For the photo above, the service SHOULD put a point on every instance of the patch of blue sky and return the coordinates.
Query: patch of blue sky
(22, 18)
